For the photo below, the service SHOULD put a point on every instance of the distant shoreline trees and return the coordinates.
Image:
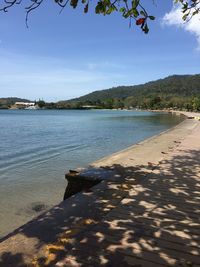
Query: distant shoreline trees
(174, 92)
(150, 103)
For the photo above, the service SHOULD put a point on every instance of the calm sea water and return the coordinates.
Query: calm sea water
(38, 147)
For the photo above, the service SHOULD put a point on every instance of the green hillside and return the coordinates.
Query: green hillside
(177, 91)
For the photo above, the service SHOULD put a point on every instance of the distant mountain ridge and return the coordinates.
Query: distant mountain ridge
(177, 92)
(184, 85)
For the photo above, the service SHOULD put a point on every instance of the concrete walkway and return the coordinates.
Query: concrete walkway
(144, 212)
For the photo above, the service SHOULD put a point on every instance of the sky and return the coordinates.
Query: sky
(62, 56)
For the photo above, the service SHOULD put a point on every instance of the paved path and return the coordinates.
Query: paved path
(157, 223)
(152, 218)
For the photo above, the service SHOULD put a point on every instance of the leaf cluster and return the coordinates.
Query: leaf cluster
(190, 8)
(134, 10)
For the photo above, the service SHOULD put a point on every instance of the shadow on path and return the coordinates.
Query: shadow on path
(151, 219)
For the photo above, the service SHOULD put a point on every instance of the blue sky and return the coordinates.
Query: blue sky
(68, 55)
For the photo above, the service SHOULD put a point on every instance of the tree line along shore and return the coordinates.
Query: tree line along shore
(177, 92)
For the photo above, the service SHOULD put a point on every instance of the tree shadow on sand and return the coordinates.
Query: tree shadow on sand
(149, 219)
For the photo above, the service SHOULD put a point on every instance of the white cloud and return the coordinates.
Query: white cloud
(174, 18)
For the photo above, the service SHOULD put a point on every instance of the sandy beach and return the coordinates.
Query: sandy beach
(143, 211)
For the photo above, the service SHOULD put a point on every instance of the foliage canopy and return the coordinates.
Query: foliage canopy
(129, 9)
(177, 92)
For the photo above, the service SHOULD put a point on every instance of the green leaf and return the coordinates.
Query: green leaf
(122, 9)
(152, 17)
(135, 13)
(86, 8)
(145, 29)
(135, 3)
(74, 3)
(142, 13)
(184, 17)
(110, 10)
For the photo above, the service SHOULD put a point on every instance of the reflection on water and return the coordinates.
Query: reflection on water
(37, 147)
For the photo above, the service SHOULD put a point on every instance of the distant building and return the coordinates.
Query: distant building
(23, 105)
(88, 107)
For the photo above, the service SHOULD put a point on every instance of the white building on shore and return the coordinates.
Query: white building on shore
(24, 104)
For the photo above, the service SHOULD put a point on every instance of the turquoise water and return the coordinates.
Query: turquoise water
(37, 148)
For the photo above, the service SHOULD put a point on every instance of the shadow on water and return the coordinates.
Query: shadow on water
(150, 219)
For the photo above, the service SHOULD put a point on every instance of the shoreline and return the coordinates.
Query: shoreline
(32, 238)
(187, 115)
(27, 214)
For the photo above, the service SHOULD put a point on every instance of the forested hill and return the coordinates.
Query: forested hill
(9, 101)
(177, 92)
(180, 85)
(173, 91)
